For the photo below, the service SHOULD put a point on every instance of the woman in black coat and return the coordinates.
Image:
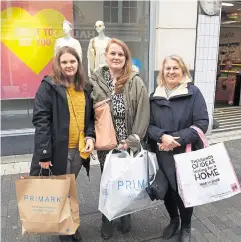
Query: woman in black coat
(63, 117)
(175, 105)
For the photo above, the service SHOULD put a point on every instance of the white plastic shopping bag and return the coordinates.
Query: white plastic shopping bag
(206, 175)
(123, 183)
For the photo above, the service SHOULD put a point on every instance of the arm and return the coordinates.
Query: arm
(42, 120)
(90, 131)
(90, 58)
(154, 133)
(142, 116)
(200, 119)
(79, 50)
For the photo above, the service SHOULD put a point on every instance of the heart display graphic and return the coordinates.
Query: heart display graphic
(31, 38)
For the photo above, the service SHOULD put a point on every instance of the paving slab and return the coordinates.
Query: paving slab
(219, 221)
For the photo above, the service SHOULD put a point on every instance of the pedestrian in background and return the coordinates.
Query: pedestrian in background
(130, 108)
(175, 105)
(63, 117)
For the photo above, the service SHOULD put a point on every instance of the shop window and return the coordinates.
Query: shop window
(120, 12)
(77, 14)
(111, 11)
(129, 12)
(21, 76)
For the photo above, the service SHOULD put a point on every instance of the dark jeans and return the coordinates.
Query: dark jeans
(74, 162)
(173, 203)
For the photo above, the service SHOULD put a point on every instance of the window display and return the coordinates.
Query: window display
(96, 49)
(68, 40)
(29, 31)
(229, 66)
(32, 32)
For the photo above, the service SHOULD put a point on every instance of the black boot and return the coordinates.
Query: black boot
(171, 228)
(185, 234)
(172, 210)
(106, 228)
(77, 236)
(125, 223)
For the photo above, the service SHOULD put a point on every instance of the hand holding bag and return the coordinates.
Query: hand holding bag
(123, 183)
(206, 175)
(48, 205)
(104, 127)
(158, 187)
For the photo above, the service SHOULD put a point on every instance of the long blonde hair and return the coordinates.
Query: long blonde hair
(127, 68)
(185, 71)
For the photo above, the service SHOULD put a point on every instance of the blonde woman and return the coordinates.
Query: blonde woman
(175, 105)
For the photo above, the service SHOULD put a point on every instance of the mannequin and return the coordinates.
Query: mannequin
(96, 49)
(68, 40)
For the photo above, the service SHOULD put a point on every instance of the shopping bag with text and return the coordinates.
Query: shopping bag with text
(206, 175)
(123, 184)
(48, 205)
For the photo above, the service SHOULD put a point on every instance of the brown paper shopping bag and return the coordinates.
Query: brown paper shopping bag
(48, 205)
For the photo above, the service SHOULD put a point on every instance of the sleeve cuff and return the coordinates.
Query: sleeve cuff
(86, 138)
(46, 159)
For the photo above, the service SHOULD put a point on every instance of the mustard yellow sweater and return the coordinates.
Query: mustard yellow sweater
(76, 102)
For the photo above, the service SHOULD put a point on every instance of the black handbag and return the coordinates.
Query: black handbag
(158, 188)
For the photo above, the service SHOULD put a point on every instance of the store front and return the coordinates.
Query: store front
(30, 30)
(228, 86)
(227, 105)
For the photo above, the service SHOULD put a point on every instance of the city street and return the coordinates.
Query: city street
(61, 60)
(220, 221)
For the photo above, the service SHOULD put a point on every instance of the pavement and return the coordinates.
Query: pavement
(15, 164)
(219, 221)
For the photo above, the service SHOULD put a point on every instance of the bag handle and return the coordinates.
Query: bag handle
(93, 46)
(123, 151)
(101, 103)
(148, 163)
(202, 137)
(111, 151)
(41, 173)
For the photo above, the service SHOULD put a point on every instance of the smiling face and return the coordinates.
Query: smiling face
(69, 65)
(172, 73)
(115, 57)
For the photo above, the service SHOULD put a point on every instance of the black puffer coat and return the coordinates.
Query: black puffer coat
(51, 121)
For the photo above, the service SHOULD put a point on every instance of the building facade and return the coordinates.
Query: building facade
(151, 29)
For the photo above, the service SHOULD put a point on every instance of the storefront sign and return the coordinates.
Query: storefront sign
(230, 35)
(84, 34)
(29, 31)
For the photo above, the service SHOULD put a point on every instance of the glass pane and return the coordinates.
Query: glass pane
(106, 3)
(114, 4)
(126, 4)
(125, 15)
(133, 3)
(106, 15)
(114, 15)
(18, 90)
(133, 15)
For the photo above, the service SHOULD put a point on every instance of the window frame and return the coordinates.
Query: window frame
(120, 8)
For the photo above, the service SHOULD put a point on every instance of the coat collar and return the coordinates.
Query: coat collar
(59, 88)
(182, 91)
(98, 76)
